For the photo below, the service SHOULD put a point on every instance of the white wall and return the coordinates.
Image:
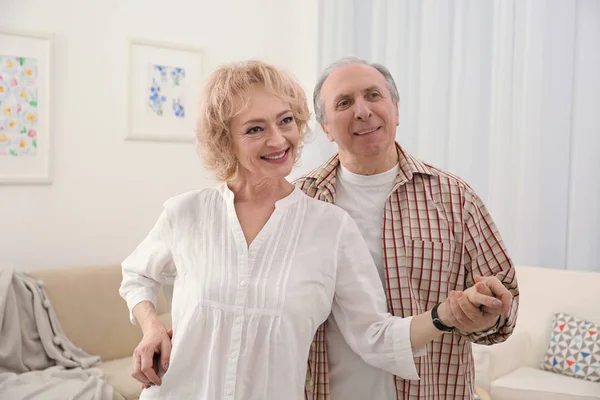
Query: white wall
(107, 192)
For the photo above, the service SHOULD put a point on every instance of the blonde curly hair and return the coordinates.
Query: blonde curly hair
(224, 97)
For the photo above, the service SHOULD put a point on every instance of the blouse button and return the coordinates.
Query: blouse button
(242, 283)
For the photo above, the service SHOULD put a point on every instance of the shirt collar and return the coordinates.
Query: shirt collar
(325, 175)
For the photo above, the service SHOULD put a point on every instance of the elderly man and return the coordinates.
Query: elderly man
(428, 231)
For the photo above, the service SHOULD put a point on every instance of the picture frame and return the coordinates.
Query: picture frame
(26, 141)
(163, 85)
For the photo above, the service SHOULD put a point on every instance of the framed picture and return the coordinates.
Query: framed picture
(25, 136)
(164, 83)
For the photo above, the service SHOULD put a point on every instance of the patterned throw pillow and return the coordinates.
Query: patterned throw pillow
(574, 348)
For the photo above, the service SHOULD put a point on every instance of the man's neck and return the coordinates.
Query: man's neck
(369, 165)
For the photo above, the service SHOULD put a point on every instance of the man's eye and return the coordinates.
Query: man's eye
(344, 104)
(374, 95)
(254, 129)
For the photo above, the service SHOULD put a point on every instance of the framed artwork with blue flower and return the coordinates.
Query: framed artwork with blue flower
(25, 137)
(164, 82)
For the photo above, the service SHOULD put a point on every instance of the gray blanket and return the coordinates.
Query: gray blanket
(37, 360)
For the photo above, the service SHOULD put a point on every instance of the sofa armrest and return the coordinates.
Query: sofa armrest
(90, 310)
(492, 362)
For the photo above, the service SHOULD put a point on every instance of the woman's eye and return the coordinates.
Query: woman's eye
(254, 129)
(287, 120)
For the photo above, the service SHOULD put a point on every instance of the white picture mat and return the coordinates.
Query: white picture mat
(35, 169)
(145, 125)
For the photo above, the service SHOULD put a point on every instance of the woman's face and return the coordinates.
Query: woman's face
(265, 136)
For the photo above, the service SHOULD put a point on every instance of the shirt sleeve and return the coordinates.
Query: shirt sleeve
(485, 255)
(360, 310)
(149, 266)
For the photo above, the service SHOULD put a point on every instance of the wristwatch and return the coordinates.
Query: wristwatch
(437, 322)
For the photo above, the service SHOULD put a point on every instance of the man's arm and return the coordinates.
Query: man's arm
(485, 255)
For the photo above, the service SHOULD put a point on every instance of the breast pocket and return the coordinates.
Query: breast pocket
(430, 269)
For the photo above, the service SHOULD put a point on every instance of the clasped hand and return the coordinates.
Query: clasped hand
(478, 308)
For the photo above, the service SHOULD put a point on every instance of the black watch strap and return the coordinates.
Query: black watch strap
(436, 321)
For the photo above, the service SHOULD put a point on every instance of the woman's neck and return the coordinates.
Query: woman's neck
(260, 190)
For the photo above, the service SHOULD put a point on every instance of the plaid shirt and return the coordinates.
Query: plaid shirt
(437, 234)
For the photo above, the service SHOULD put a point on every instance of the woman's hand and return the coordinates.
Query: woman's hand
(156, 341)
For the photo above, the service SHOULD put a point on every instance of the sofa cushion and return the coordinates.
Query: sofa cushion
(546, 291)
(118, 374)
(533, 384)
(574, 348)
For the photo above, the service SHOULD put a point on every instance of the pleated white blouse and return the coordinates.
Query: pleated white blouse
(244, 317)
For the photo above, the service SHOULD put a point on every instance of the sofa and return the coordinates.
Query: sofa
(512, 370)
(95, 318)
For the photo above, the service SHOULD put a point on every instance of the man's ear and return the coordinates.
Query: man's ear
(397, 114)
(324, 127)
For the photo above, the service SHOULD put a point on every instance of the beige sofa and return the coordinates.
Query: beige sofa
(95, 318)
(511, 370)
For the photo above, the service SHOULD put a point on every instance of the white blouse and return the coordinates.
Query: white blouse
(244, 317)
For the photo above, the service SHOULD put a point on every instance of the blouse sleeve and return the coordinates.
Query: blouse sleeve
(149, 266)
(360, 309)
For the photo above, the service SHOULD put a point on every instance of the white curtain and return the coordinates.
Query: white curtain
(505, 94)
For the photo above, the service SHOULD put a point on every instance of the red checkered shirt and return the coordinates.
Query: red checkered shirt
(437, 234)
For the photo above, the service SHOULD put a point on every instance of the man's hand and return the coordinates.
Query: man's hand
(498, 290)
(474, 310)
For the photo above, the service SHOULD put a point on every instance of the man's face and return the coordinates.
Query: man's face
(360, 115)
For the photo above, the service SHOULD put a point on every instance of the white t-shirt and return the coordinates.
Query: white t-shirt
(244, 317)
(363, 197)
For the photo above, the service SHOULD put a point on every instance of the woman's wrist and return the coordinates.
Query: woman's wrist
(445, 314)
(146, 316)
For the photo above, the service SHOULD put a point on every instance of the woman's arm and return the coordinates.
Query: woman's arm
(361, 312)
(149, 266)
(156, 340)
(422, 330)
(144, 272)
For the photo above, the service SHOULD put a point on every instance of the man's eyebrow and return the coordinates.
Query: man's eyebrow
(372, 88)
(342, 96)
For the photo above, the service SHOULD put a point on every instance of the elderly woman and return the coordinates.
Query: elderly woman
(258, 265)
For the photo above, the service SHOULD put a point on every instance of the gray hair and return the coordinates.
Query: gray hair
(318, 101)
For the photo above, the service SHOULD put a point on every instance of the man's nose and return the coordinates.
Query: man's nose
(362, 111)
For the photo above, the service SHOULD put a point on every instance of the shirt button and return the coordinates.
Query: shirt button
(229, 392)
(311, 382)
(233, 354)
(238, 320)
(242, 283)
